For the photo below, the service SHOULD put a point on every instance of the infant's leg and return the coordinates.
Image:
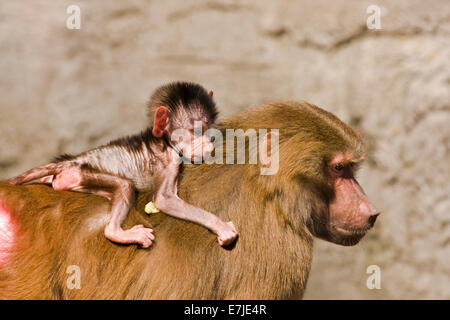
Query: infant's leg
(119, 190)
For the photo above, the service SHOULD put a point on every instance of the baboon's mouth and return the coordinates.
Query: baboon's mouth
(349, 232)
(347, 236)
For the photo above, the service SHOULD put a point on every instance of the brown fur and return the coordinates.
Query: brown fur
(275, 216)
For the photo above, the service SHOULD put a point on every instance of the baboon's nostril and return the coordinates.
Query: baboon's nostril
(373, 218)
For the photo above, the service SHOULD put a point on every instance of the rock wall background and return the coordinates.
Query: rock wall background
(68, 90)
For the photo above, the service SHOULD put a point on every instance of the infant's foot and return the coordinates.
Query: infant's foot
(137, 234)
(227, 234)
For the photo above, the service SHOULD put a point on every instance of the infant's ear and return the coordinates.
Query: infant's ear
(161, 121)
(211, 93)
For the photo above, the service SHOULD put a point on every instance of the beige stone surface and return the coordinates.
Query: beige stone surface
(67, 90)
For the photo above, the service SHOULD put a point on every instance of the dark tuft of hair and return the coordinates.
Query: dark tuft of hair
(63, 157)
(178, 95)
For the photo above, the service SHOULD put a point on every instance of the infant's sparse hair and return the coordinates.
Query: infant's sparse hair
(185, 96)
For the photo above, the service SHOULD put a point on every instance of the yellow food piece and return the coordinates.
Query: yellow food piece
(151, 208)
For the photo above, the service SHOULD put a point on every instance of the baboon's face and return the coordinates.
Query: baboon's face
(350, 214)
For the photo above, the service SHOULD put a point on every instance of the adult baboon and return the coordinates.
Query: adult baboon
(313, 193)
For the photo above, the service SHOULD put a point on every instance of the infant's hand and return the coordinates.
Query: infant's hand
(227, 234)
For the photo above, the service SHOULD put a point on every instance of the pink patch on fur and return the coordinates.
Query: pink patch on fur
(6, 234)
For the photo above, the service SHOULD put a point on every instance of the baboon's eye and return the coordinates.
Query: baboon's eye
(338, 167)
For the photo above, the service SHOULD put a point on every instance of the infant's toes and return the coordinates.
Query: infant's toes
(148, 231)
(150, 235)
(146, 243)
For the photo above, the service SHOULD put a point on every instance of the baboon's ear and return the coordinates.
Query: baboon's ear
(211, 93)
(161, 121)
(268, 147)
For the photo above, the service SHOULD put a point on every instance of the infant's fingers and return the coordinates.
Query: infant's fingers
(147, 243)
(233, 227)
